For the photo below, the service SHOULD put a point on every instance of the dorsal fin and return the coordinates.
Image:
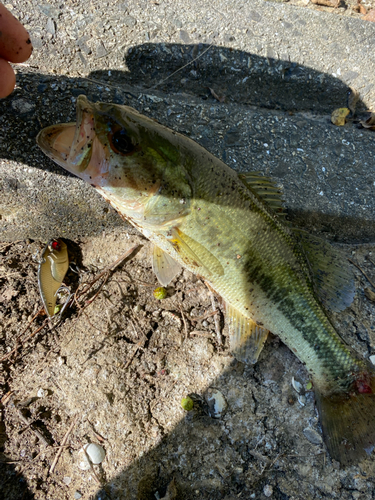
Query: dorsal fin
(330, 271)
(266, 189)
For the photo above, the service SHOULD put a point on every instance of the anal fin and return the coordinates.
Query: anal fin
(164, 266)
(246, 337)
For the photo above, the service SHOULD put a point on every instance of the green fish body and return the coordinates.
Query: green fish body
(230, 230)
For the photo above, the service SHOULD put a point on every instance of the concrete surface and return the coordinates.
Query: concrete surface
(281, 69)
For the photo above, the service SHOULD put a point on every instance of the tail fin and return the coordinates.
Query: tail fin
(348, 423)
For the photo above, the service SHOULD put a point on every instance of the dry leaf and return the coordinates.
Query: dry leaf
(353, 99)
(339, 115)
(217, 97)
(370, 16)
(369, 294)
(369, 123)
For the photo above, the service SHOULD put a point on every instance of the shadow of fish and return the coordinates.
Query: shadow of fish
(230, 230)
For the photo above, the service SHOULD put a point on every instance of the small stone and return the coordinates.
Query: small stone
(42, 393)
(184, 35)
(22, 106)
(312, 435)
(216, 403)
(67, 480)
(268, 490)
(100, 50)
(49, 10)
(77, 495)
(50, 26)
(130, 21)
(95, 452)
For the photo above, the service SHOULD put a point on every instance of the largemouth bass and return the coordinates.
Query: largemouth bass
(230, 230)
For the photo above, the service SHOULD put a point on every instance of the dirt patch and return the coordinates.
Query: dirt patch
(115, 373)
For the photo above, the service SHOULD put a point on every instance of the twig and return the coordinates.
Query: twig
(201, 333)
(98, 436)
(204, 316)
(29, 423)
(185, 323)
(134, 353)
(107, 269)
(364, 274)
(4, 400)
(63, 443)
(327, 3)
(9, 244)
(216, 318)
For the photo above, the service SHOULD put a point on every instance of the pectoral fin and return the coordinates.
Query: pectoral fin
(164, 266)
(246, 337)
(195, 255)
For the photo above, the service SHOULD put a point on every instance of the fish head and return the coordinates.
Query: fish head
(118, 151)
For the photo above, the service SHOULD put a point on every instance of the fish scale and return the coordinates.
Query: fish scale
(231, 231)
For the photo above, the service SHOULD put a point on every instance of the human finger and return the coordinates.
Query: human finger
(7, 79)
(15, 44)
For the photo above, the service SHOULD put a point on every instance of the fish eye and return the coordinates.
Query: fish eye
(121, 142)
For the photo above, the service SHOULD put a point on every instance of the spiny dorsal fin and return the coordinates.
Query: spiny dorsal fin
(164, 266)
(331, 274)
(246, 338)
(266, 189)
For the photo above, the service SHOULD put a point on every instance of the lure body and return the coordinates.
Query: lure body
(52, 269)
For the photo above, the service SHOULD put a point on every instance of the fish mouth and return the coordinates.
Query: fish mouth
(70, 145)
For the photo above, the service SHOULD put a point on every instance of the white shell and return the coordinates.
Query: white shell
(302, 400)
(95, 452)
(297, 386)
(216, 403)
(372, 359)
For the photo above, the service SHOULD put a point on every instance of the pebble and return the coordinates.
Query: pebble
(49, 10)
(50, 26)
(268, 490)
(22, 106)
(312, 435)
(95, 452)
(216, 403)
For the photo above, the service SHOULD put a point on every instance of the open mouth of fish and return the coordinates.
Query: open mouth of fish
(75, 146)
